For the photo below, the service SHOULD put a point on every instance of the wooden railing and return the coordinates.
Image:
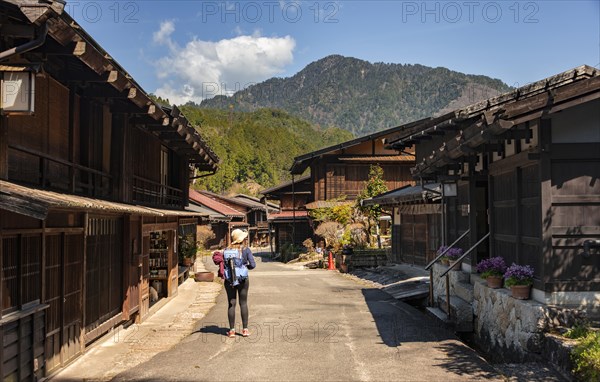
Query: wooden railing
(152, 193)
(58, 174)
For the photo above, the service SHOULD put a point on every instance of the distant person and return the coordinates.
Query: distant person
(238, 286)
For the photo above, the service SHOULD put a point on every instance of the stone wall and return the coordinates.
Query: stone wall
(439, 283)
(508, 329)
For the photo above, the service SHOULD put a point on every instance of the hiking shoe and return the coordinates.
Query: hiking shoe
(245, 333)
(231, 333)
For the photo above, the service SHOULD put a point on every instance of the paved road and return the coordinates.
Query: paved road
(317, 325)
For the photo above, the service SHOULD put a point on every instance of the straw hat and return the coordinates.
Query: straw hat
(238, 236)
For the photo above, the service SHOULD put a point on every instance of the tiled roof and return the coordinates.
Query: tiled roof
(379, 158)
(36, 203)
(326, 204)
(214, 205)
(288, 215)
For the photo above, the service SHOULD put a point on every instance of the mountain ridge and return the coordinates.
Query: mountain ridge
(360, 96)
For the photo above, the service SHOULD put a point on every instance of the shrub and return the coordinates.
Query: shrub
(309, 245)
(358, 235)
(519, 275)
(332, 233)
(578, 331)
(586, 357)
(203, 234)
(494, 266)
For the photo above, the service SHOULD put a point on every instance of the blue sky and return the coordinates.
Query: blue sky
(188, 50)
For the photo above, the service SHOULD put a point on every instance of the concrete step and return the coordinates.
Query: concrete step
(461, 312)
(408, 290)
(464, 290)
(440, 315)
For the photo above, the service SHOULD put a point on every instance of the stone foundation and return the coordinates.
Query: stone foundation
(508, 329)
(512, 330)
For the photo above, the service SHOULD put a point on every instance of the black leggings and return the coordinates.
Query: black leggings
(232, 292)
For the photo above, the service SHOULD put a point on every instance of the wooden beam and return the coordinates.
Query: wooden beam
(118, 80)
(91, 57)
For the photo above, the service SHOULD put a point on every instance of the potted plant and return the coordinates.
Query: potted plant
(444, 259)
(187, 249)
(492, 270)
(519, 278)
(453, 255)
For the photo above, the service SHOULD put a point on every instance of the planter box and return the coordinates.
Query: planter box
(204, 276)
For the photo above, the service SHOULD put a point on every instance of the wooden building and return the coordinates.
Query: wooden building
(255, 213)
(342, 169)
(526, 166)
(416, 221)
(93, 184)
(223, 218)
(291, 224)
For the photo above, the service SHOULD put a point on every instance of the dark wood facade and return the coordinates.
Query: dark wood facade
(342, 170)
(526, 165)
(291, 224)
(74, 241)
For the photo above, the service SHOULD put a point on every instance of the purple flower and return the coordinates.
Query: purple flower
(519, 275)
(494, 266)
(452, 254)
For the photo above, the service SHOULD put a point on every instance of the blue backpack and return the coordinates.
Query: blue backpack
(235, 269)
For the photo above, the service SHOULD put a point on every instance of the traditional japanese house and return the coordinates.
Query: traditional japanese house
(255, 213)
(93, 184)
(256, 216)
(341, 170)
(526, 166)
(416, 221)
(223, 218)
(291, 224)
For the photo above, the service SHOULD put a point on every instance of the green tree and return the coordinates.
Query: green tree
(374, 186)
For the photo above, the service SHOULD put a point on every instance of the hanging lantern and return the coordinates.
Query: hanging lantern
(17, 90)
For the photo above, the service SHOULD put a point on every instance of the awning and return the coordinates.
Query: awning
(288, 216)
(37, 203)
(327, 204)
(207, 212)
(425, 194)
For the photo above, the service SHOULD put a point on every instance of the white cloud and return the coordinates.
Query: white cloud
(203, 69)
(163, 35)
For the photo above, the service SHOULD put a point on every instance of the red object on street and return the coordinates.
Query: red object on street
(331, 265)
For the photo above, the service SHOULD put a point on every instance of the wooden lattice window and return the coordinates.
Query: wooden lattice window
(21, 264)
(104, 276)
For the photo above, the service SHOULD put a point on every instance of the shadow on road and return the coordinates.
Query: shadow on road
(462, 360)
(213, 329)
(399, 323)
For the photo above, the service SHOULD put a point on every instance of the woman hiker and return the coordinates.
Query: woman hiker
(239, 240)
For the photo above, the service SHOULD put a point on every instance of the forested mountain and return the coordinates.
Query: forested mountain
(256, 148)
(362, 97)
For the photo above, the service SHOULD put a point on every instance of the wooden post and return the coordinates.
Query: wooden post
(545, 144)
(3, 147)
(84, 281)
(72, 138)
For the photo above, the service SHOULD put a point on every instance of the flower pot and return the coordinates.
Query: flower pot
(445, 261)
(521, 292)
(458, 266)
(494, 282)
(204, 276)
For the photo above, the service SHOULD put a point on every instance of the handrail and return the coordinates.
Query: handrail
(447, 249)
(465, 254)
(156, 184)
(58, 160)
